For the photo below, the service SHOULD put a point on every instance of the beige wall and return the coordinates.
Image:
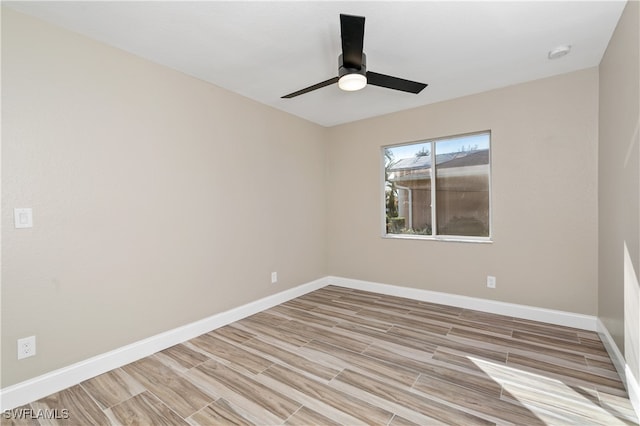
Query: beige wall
(158, 199)
(544, 192)
(619, 186)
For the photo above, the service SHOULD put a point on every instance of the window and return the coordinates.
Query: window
(439, 188)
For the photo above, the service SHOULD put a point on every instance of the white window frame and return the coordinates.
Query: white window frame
(454, 238)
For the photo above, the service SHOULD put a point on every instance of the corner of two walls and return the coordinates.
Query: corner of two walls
(619, 190)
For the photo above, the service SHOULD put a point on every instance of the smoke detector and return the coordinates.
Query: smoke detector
(559, 51)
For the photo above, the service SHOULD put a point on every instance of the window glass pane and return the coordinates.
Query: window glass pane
(408, 189)
(462, 185)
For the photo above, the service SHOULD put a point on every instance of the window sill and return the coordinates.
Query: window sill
(454, 239)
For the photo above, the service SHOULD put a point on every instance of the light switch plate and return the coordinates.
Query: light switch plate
(23, 217)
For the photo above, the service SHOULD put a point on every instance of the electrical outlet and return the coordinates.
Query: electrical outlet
(491, 281)
(26, 347)
(274, 277)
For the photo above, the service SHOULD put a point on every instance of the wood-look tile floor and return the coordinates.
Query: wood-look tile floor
(341, 356)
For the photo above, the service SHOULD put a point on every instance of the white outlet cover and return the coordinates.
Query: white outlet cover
(491, 281)
(26, 347)
(274, 277)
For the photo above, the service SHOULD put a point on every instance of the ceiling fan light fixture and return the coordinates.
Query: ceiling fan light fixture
(352, 82)
(352, 65)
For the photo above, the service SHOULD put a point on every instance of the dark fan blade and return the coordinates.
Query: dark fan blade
(396, 83)
(311, 88)
(352, 29)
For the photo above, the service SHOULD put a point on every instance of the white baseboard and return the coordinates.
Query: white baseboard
(633, 389)
(627, 377)
(57, 380)
(46, 384)
(568, 319)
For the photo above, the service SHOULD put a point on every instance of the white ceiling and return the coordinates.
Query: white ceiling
(263, 50)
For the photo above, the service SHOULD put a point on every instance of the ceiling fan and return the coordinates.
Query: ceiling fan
(352, 64)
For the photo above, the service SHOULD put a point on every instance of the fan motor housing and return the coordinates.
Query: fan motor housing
(342, 70)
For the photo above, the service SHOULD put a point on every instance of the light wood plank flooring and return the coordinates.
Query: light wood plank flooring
(341, 356)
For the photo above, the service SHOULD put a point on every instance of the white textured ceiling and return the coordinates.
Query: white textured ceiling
(263, 50)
